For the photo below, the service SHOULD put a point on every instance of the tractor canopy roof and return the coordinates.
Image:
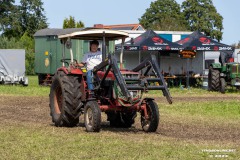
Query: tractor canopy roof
(95, 34)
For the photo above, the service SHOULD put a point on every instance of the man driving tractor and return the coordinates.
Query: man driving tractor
(91, 59)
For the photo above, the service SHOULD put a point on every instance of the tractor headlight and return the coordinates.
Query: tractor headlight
(222, 74)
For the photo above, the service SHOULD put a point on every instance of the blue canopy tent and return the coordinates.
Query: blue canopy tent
(200, 42)
(197, 41)
(150, 41)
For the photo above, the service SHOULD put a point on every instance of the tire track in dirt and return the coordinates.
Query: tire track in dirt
(21, 109)
(24, 110)
(199, 99)
(199, 131)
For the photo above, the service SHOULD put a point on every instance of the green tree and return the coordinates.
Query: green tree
(80, 24)
(9, 43)
(26, 42)
(27, 17)
(202, 15)
(18, 25)
(71, 23)
(31, 16)
(6, 9)
(163, 15)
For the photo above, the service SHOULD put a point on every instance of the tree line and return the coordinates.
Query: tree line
(18, 23)
(192, 15)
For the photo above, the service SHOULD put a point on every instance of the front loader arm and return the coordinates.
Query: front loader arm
(151, 62)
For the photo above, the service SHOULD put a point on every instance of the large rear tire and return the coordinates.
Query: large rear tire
(222, 85)
(213, 80)
(65, 99)
(92, 116)
(151, 123)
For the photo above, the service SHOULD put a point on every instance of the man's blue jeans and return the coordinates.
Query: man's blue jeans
(89, 80)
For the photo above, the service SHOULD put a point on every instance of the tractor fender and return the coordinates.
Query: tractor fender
(216, 65)
(144, 100)
(76, 71)
(73, 71)
(147, 99)
(63, 69)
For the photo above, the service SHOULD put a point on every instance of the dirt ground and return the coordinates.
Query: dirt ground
(21, 110)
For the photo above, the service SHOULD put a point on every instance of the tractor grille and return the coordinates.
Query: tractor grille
(235, 69)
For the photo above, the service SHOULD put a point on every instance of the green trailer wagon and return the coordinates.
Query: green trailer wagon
(48, 52)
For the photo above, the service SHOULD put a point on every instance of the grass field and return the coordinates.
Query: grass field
(198, 125)
(33, 89)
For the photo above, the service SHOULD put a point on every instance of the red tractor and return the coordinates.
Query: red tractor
(117, 92)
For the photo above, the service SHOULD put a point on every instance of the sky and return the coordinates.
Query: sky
(110, 12)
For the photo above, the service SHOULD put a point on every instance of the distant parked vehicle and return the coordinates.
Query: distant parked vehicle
(12, 67)
(223, 74)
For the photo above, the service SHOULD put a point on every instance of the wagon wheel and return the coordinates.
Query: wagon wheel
(65, 99)
(92, 116)
(150, 124)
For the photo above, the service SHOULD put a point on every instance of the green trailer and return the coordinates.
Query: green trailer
(48, 52)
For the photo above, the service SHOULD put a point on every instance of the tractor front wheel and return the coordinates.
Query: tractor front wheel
(222, 85)
(213, 79)
(150, 123)
(92, 116)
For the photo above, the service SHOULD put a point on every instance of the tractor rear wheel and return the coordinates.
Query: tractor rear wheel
(213, 79)
(92, 116)
(122, 119)
(150, 124)
(65, 99)
(222, 85)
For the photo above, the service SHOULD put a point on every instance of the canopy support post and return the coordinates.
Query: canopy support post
(187, 74)
(121, 54)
